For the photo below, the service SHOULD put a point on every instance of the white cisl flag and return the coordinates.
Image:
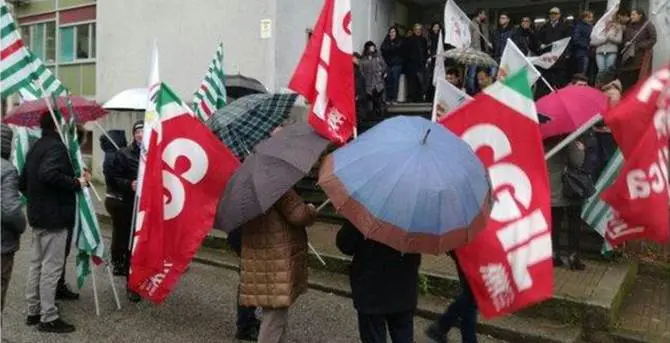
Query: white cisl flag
(456, 26)
(151, 119)
(448, 98)
(599, 31)
(513, 61)
(548, 59)
(439, 72)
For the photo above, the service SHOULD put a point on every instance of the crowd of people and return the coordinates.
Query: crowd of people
(625, 48)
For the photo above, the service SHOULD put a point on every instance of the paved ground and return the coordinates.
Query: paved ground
(201, 309)
(646, 309)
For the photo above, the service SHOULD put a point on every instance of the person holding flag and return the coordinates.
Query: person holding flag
(49, 181)
(121, 174)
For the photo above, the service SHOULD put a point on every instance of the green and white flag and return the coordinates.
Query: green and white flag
(596, 212)
(19, 67)
(211, 95)
(88, 238)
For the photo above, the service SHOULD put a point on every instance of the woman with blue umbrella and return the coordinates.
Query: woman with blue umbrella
(408, 186)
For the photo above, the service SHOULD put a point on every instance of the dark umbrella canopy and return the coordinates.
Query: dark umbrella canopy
(238, 86)
(247, 121)
(275, 167)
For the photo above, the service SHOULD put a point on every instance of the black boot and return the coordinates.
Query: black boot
(247, 334)
(56, 326)
(133, 297)
(575, 263)
(434, 333)
(33, 320)
(64, 293)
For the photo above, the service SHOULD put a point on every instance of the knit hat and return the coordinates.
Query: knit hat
(6, 141)
(139, 125)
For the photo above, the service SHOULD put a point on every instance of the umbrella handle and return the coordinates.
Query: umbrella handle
(323, 205)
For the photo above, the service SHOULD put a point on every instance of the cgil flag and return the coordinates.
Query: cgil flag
(548, 59)
(325, 74)
(211, 95)
(187, 169)
(509, 264)
(456, 26)
(639, 196)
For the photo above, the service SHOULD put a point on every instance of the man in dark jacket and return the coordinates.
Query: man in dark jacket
(525, 37)
(384, 286)
(49, 183)
(121, 177)
(555, 29)
(502, 33)
(581, 41)
(416, 60)
(13, 220)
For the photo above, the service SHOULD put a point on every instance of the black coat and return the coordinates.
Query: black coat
(121, 173)
(392, 51)
(549, 33)
(416, 54)
(527, 41)
(383, 280)
(49, 184)
(500, 37)
(119, 137)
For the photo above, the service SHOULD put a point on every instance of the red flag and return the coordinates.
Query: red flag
(325, 74)
(187, 170)
(509, 264)
(639, 197)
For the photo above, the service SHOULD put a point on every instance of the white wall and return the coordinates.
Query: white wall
(187, 36)
(662, 22)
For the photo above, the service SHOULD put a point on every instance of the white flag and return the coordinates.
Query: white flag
(513, 61)
(599, 31)
(456, 26)
(548, 59)
(439, 72)
(448, 98)
(151, 119)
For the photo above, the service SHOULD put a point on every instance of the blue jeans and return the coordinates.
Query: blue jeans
(465, 308)
(606, 61)
(582, 64)
(392, 82)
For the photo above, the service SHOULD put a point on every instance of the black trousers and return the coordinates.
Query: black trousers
(373, 327)
(571, 215)
(122, 222)
(464, 307)
(416, 88)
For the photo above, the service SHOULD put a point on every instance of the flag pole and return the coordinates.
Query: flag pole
(104, 133)
(111, 282)
(95, 290)
(567, 140)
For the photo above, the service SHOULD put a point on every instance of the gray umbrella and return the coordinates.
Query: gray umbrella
(238, 86)
(275, 167)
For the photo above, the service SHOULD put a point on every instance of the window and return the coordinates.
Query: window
(77, 42)
(41, 39)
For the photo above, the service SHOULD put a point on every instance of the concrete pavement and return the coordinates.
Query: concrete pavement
(201, 309)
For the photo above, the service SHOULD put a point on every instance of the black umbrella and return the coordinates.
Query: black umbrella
(275, 167)
(238, 86)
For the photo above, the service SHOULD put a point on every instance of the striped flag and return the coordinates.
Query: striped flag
(212, 92)
(18, 66)
(88, 239)
(596, 212)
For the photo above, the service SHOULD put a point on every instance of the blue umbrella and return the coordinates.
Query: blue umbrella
(411, 184)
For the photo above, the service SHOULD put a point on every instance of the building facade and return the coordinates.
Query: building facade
(63, 34)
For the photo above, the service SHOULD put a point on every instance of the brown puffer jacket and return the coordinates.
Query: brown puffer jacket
(274, 254)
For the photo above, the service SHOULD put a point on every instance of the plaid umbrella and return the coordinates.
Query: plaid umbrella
(470, 56)
(249, 120)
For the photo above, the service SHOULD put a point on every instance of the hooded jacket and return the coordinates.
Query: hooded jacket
(13, 219)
